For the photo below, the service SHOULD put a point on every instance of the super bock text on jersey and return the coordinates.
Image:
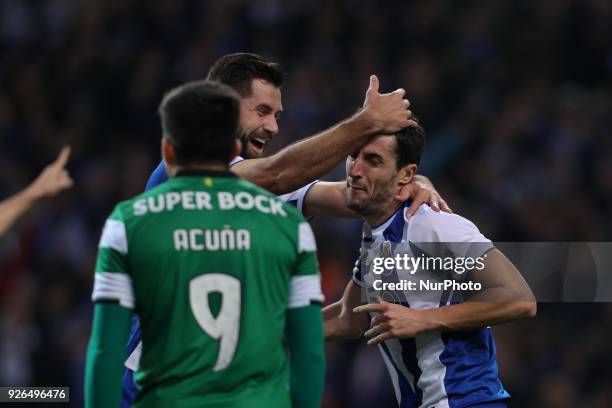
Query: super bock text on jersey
(210, 263)
(159, 176)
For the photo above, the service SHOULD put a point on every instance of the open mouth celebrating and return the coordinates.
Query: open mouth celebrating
(258, 144)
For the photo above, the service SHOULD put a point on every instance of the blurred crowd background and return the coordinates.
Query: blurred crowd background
(516, 97)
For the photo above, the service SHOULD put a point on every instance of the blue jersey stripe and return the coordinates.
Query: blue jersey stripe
(409, 357)
(471, 368)
(469, 358)
(407, 395)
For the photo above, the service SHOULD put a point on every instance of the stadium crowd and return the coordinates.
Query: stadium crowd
(515, 97)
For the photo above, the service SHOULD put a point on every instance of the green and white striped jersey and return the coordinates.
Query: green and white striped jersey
(210, 263)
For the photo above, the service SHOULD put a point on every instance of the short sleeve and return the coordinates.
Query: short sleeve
(236, 160)
(306, 280)
(112, 281)
(456, 235)
(297, 197)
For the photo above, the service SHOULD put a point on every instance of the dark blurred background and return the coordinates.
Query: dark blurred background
(515, 97)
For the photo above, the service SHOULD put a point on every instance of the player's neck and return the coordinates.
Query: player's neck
(376, 218)
(198, 167)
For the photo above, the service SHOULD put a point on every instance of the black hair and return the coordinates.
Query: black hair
(200, 119)
(409, 144)
(240, 69)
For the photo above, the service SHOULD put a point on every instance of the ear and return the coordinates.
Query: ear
(406, 174)
(168, 152)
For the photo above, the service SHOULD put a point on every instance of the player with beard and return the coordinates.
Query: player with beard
(259, 83)
(291, 172)
(437, 344)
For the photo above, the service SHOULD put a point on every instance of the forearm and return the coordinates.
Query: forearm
(308, 159)
(105, 355)
(339, 320)
(14, 207)
(473, 315)
(331, 321)
(328, 199)
(304, 334)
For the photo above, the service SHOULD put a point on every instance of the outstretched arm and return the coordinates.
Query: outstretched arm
(328, 199)
(505, 297)
(313, 157)
(53, 179)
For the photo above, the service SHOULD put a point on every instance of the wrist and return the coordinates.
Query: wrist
(431, 320)
(363, 124)
(30, 195)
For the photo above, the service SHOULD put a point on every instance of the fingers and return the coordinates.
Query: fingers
(380, 338)
(433, 203)
(63, 157)
(371, 307)
(444, 206)
(65, 180)
(376, 330)
(378, 320)
(400, 91)
(374, 84)
(419, 199)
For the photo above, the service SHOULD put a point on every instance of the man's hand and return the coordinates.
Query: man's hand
(422, 191)
(387, 113)
(53, 179)
(394, 321)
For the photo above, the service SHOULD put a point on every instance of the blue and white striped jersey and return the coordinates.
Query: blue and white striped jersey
(436, 369)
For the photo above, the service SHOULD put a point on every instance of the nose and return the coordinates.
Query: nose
(354, 168)
(271, 125)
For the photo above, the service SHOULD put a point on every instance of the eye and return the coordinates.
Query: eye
(263, 110)
(374, 160)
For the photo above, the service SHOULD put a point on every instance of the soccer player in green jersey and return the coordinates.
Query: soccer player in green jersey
(221, 273)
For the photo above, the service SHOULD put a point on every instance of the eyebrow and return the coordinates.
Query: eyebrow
(267, 107)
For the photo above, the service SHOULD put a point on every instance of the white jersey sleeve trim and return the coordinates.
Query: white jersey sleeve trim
(307, 242)
(113, 286)
(302, 193)
(114, 236)
(305, 290)
(236, 160)
(298, 196)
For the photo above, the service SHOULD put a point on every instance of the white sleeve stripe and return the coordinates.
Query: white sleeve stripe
(236, 160)
(304, 290)
(114, 236)
(302, 197)
(114, 286)
(306, 237)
